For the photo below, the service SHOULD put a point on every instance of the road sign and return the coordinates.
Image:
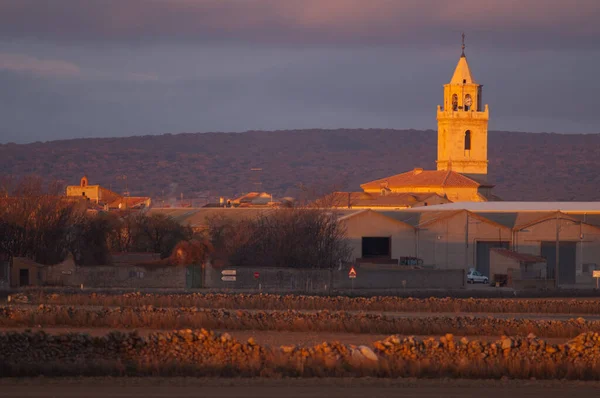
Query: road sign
(228, 278)
(352, 273)
(256, 275)
(229, 272)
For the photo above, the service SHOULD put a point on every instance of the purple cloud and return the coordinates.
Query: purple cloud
(522, 23)
(40, 67)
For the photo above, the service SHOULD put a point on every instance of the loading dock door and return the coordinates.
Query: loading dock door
(483, 255)
(23, 277)
(567, 264)
(376, 247)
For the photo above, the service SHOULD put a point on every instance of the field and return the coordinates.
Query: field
(269, 336)
(296, 388)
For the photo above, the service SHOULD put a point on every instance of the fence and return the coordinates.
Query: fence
(369, 277)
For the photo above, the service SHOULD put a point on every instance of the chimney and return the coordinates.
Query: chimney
(417, 171)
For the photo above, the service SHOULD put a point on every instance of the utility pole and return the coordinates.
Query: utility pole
(123, 177)
(557, 249)
(467, 240)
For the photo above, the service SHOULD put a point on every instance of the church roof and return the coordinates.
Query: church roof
(423, 178)
(365, 199)
(462, 73)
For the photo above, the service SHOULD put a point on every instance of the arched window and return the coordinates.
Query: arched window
(454, 102)
(468, 102)
(468, 140)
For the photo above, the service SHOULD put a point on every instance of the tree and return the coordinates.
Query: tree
(159, 233)
(89, 239)
(195, 251)
(296, 238)
(125, 231)
(35, 222)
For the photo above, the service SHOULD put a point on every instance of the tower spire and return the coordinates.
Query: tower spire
(463, 45)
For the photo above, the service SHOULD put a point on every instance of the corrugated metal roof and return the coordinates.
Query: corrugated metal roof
(565, 207)
(590, 219)
(409, 217)
(506, 219)
(198, 217)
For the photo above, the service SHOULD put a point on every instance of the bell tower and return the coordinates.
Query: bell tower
(463, 124)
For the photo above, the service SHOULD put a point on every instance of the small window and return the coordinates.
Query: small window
(468, 102)
(464, 81)
(454, 102)
(468, 140)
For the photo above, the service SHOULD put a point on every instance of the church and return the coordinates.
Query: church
(462, 162)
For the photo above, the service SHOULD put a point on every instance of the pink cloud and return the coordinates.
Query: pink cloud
(302, 21)
(39, 67)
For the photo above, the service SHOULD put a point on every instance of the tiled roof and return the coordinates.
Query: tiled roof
(522, 257)
(419, 218)
(365, 199)
(423, 178)
(253, 197)
(128, 202)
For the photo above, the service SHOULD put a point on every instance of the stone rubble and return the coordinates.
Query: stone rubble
(325, 321)
(205, 353)
(305, 302)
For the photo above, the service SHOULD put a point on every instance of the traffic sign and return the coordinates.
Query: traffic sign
(229, 272)
(352, 273)
(256, 275)
(228, 278)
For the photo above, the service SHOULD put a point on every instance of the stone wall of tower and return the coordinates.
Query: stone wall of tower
(463, 125)
(452, 128)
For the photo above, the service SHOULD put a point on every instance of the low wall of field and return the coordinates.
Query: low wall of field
(275, 279)
(204, 353)
(369, 277)
(372, 276)
(110, 276)
(521, 284)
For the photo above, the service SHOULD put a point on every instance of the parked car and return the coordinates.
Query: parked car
(476, 277)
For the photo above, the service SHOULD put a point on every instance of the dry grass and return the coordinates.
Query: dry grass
(339, 303)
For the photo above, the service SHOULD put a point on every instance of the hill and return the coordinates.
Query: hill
(524, 166)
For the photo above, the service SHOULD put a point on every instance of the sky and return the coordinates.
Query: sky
(107, 68)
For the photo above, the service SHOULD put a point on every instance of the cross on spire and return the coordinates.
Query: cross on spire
(463, 45)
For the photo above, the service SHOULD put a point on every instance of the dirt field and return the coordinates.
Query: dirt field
(312, 343)
(290, 388)
(274, 338)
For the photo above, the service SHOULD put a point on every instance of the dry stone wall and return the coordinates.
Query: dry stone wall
(204, 353)
(318, 321)
(306, 302)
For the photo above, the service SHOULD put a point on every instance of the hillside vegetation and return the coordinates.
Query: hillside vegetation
(523, 166)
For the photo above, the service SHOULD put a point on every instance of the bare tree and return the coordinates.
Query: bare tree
(159, 233)
(35, 222)
(296, 238)
(195, 251)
